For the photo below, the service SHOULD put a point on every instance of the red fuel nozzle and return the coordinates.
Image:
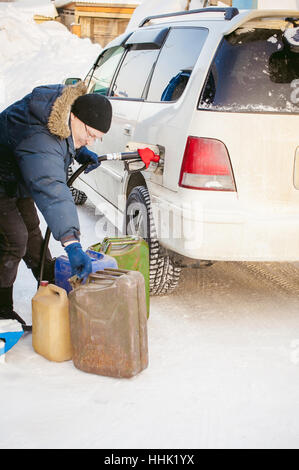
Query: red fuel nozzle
(148, 156)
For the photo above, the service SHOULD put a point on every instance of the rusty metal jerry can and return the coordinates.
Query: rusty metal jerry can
(108, 321)
(130, 252)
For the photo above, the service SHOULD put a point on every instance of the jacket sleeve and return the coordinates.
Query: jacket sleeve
(41, 162)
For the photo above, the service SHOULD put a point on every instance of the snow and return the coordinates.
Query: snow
(10, 326)
(241, 108)
(37, 7)
(34, 54)
(62, 3)
(292, 36)
(274, 4)
(223, 369)
(223, 349)
(273, 39)
(156, 7)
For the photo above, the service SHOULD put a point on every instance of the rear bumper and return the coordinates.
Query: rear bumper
(215, 226)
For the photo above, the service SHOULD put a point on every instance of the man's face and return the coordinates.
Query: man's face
(83, 134)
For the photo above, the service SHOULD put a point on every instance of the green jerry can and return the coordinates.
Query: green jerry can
(108, 323)
(131, 253)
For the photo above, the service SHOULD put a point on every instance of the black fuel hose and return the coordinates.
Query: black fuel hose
(124, 156)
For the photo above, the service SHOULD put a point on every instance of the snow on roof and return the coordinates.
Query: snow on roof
(37, 7)
(61, 3)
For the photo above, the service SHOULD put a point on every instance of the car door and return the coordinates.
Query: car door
(171, 98)
(126, 94)
(98, 81)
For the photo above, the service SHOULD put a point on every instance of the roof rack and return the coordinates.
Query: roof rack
(229, 14)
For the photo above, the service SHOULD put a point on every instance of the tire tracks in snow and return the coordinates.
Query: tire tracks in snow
(229, 277)
(284, 277)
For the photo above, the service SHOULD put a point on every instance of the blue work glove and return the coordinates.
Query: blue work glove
(80, 261)
(87, 156)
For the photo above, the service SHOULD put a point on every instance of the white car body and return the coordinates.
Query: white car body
(257, 222)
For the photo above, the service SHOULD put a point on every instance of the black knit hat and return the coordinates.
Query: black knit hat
(94, 110)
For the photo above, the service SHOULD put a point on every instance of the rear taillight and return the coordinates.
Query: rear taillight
(206, 165)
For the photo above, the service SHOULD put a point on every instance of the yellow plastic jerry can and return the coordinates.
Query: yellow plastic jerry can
(51, 323)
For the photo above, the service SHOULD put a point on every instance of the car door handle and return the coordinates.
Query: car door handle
(128, 129)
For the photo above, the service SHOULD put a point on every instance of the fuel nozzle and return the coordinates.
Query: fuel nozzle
(147, 156)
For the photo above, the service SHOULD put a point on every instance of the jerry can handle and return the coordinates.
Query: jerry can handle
(128, 240)
(74, 281)
(123, 242)
(116, 239)
(116, 271)
(100, 275)
(58, 290)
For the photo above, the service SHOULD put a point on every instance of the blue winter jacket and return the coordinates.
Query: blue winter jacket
(36, 148)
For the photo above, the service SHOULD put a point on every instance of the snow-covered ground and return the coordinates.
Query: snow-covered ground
(223, 369)
(223, 349)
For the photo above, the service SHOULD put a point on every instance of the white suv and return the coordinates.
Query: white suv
(217, 90)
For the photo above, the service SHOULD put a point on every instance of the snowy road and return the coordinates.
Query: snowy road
(223, 373)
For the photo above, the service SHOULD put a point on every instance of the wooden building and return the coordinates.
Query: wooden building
(100, 21)
(215, 2)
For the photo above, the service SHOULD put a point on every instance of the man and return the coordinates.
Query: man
(40, 136)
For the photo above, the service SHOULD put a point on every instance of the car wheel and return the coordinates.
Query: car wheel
(79, 196)
(164, 275)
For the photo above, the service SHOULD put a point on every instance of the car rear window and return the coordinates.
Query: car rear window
(253, 71)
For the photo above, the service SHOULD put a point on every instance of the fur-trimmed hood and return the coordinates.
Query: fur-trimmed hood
(58, 122)
(52, 104)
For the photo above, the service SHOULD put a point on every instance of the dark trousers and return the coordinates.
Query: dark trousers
(20, 238)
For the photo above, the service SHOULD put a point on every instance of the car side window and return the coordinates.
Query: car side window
(175, 64)
(134, 72)
(103, 74)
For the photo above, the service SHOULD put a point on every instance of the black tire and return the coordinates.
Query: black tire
(79, 196)
(164, 275)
